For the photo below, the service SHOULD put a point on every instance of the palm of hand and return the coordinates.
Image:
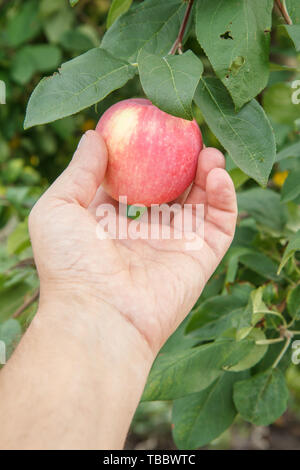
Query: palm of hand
(153, 284)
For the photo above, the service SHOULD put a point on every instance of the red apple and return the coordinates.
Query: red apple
(152, 156)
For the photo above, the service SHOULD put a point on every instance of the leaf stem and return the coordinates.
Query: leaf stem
(177, 46)
(268, 341)
(284, 349)
(290, 323)
(283, 10)
(277, 314)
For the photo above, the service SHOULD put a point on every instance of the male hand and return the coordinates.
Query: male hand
(151, 284)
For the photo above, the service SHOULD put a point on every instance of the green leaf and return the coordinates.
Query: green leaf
(80, 83)
(118, 8)
(232, 267)
(258, 307)
(23, 67)
(213, 316)
(18, 195)
(19, 239)
(271, 356)
(291, 187)
(73, 2)
(293, 7)
(238, 177)
(24, 25)
(57, 18)
(244, 320)
(152, 25)
(11, 299)
(292, 150)
(246, 135)
(75, 40)
(10, 333)
(287, 112)
(32, 59)
(255, 354)
(170, 82)
(179, 340)
(235, 35)
(177, 374)
(201, 417)
(265, 207)
(47, 8)
(292, 247)
(293, 302)
(263, 398)
(214, 329)
(244, 237)
(16, 276)
(294, 33)
(260, 264)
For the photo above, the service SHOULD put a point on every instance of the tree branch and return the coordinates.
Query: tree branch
(178, 43)
(27, 304)
(283, 10)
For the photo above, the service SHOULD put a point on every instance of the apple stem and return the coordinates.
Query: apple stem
(177, 46)
(283, 10)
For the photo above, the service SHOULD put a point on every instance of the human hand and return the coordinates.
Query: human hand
(150, 284)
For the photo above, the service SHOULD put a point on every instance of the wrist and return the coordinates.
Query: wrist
(91, 322)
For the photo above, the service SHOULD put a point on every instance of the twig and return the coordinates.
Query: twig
(178, 43)
(283, 10)
(26, 304)
(284, 349)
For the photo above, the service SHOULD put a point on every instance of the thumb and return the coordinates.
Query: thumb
(85, 173)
